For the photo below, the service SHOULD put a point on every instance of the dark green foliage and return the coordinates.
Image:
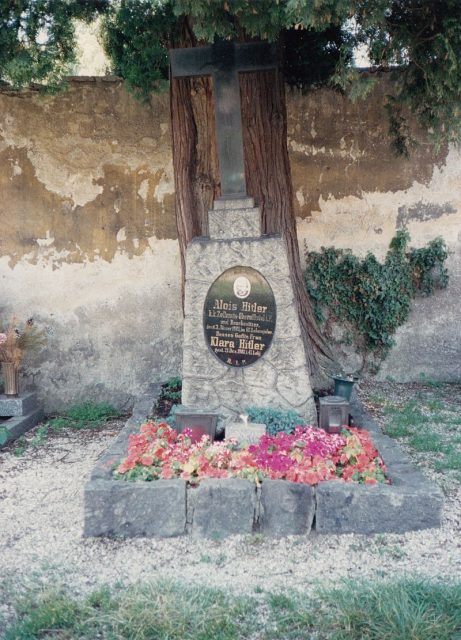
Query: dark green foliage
(169, 400)
(427, 36)
(428, 267)
(418, 41)
(276, 420)
(136, 38)
(37, 38)
(171, 390)
(262, 19)
(374, 297)
(310, 57)
(171, 417)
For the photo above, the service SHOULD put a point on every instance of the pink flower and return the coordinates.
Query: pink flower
(309, 455)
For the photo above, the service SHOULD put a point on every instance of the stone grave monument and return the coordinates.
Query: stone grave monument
(242, 347)
(242, 336)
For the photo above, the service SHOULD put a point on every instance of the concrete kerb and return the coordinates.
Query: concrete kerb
(219, 508)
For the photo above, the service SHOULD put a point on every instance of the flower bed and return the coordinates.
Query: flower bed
(309, 456)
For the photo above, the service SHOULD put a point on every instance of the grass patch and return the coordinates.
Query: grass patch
(430, 426)
(161, 611)
(402, 610)
(451, 461)
(435, 405)
(398, 430)
(85, 415)
(376, 399)
(408, 414)
(427, 441)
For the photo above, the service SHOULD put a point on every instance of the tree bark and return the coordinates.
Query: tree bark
(268, 174)
(267, 171)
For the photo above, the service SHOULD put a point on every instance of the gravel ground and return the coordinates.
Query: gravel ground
(41, 516)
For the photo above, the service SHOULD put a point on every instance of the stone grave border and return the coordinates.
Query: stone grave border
(219, 508)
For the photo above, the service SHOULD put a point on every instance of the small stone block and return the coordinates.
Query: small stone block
(287, 508)
(352, 508)
(24, 404)
(233, 203)
(245, 433)
(223, 508)
(230, 224)
(134, 509)
(18, 425)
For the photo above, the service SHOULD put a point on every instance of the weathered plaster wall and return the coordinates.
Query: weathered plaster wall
(353, 192)
(88, 239)
(88, 231)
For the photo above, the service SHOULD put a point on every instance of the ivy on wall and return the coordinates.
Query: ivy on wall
(374, 297)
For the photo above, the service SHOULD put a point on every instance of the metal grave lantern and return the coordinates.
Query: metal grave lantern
(334, 413)
(199, 424)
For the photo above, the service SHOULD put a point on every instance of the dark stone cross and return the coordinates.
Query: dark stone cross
(224, 60)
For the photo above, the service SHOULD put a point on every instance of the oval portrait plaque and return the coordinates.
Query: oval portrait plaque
(239, 316)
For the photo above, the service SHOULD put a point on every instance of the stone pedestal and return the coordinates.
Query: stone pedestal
(280, 378)
(22, 414)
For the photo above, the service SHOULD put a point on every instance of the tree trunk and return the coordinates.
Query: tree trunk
(267, 171)
(268, 174)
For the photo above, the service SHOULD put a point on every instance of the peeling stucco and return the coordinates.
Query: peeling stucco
(341, 149)
(88, 244)
(80, 164)
(423, 211)
(369, 222)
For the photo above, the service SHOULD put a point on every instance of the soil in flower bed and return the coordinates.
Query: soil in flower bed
(309, 455)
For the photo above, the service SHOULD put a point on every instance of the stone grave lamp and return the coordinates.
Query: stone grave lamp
(200, 424)
(334, 413)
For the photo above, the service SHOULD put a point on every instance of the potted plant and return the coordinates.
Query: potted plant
(15, 341)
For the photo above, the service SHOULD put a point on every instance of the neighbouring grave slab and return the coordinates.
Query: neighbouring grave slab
(24, 404)
(23, 413)
(229, 506)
